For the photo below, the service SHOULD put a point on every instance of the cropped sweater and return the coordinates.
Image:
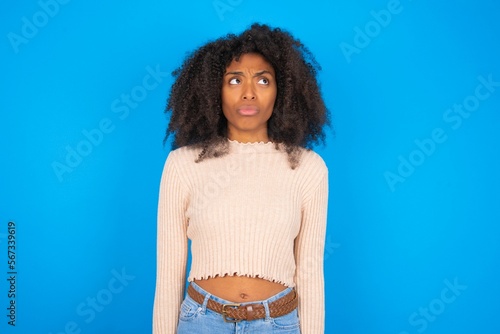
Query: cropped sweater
(247, 213)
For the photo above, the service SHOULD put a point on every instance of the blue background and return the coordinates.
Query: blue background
(396, 242)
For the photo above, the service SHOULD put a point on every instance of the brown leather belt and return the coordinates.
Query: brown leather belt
(236, 312)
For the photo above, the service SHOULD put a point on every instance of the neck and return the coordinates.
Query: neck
(249, 137)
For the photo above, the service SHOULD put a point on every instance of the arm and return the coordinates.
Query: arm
(309, 254)
(171, 250)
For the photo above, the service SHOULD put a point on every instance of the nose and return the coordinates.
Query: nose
(248, 92)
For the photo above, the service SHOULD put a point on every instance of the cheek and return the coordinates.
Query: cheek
(227, 96)
(226, 103)
(223, 95)
(272, 98)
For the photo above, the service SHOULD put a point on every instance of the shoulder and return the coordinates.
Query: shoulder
(179, 160)
(312, 162)
(178, 166)
(314, 174)
(182, 155)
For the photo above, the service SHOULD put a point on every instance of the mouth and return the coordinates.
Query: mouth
(247, 110)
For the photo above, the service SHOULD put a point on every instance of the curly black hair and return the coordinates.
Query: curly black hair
(299, 113)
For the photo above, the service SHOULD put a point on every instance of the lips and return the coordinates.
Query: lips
(247, 110)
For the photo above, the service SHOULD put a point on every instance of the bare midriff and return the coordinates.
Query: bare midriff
(240, 289)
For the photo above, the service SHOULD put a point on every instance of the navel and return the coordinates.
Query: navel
(243, 295)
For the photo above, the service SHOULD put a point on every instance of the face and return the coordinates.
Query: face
(248, 95)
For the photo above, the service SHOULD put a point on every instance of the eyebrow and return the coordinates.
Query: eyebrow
(243, 74)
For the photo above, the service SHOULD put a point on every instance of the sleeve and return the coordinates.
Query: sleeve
(171, 250)
(309, 254)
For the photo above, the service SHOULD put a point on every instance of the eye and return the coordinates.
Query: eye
(234, 81)
(263, 81)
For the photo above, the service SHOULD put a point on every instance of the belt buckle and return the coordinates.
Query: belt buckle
(224, 312)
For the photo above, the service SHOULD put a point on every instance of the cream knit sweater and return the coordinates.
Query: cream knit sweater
(246, 213)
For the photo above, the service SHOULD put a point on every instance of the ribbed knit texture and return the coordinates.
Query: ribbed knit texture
(247, 213)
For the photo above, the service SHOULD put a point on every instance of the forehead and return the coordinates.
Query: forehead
(250, 61)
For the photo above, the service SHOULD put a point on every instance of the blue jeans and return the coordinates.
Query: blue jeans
(197, 318)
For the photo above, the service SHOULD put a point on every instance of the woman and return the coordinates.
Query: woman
(243, 185)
